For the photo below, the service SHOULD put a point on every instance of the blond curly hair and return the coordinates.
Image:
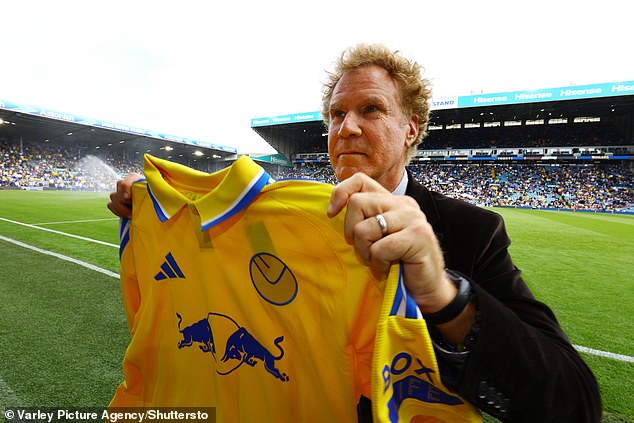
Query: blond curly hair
(414, 90)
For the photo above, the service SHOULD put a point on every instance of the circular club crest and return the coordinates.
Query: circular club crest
(273, 279)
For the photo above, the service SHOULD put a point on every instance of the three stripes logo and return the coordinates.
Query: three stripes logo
(169, 269)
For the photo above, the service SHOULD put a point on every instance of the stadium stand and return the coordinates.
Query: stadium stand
(46, 166)
(580, 135)
(503, 149)
(567, 154)
(586, 187)
(599, 187)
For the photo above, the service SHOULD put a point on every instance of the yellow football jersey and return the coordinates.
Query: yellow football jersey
(240, 293)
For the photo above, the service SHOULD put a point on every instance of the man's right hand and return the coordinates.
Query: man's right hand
(121, 200)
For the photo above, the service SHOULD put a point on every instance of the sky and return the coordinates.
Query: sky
(204, 69)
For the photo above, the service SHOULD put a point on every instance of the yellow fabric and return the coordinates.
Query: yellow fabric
(324, 305)
(266, 313)
(406, 383)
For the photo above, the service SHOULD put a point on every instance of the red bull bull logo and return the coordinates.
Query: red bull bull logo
(242, 346)
(199, 332)
(239, 347)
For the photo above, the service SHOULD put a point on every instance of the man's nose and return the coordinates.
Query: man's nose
(350, 126)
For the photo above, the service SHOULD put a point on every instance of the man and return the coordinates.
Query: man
(496, 345)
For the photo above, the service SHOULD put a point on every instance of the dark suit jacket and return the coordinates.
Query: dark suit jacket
(522, 368)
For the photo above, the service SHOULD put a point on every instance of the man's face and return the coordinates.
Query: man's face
(368, 130)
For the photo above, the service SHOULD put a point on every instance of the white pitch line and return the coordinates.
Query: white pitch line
(74, 221)
(61, 256)
(96, 241)
(607, 354)
(8, 395)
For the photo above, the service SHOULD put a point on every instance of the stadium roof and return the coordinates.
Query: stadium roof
(301, 132)
(35, 124)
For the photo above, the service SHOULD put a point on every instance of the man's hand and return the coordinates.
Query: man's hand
(121, 200)
(409, 238)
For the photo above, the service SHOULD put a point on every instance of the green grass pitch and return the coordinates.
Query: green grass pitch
(63, 332)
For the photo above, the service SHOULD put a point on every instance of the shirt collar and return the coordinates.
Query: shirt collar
(402, 186)
(216, 197)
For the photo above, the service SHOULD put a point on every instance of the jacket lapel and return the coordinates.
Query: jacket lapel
(424, 199)
(428, 205)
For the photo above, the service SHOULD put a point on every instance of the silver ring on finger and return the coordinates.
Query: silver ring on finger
(380, 219)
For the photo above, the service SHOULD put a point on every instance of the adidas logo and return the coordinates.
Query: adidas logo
(169, 269)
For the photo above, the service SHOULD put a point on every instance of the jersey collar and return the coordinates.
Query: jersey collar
(219, 195)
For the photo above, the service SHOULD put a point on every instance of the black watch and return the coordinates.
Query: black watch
(455, 307)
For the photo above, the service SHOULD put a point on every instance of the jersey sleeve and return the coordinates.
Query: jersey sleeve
(406, 380)
(127, 275)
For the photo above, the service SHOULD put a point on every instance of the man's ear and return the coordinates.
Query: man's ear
(412, 130)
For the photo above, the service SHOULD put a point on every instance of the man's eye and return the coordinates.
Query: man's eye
(371, 109)
(338, 113)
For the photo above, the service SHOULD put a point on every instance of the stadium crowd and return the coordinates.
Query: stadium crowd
(593, 187)
(39, 166)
